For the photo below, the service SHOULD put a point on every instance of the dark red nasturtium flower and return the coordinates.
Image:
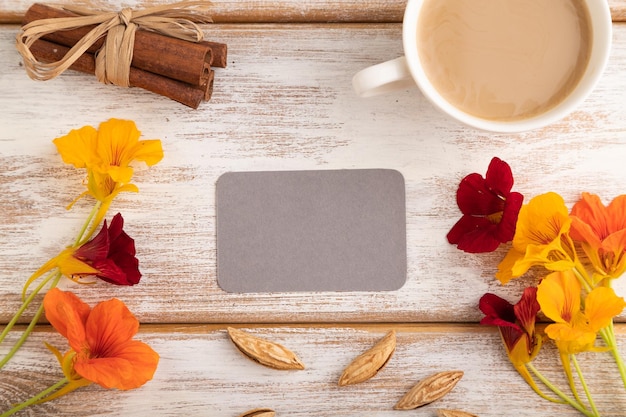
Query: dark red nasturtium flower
(110, 255)
(517, 328)
(489, 209)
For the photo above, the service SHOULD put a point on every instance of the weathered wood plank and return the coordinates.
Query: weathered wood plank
(265, 11)
(284, 102)
(201, 373)
(618, 10)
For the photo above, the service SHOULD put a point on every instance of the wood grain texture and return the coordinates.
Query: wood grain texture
(201, 373)
(284, 102)
(270, 11)
(263, 11)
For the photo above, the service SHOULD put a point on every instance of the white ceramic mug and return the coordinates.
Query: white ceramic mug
(407, 70)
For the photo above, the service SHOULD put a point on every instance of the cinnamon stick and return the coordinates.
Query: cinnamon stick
(181, 60)
(184, 93)
(219, 53)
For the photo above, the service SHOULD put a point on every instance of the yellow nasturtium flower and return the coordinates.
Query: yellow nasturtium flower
(107, 154)
(576, 322)
(541, 238)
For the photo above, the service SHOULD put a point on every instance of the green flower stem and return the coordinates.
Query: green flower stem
(54, 277)
(36, 398)
(558, 392)
(581, 274)
(584, 384)
(93, 212)
(21, 310)
(608, 335)
(31, 325)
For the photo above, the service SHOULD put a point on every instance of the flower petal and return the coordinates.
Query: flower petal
(570, 339)
(508, 223)
(475, 198)
(69, 266)
(526, 309)
(590, 222)
(493, 306)
(474, 235)
(97, 248)
(506, 266)
(116, 140)
(616, 210)
(149, 151)
(77, 147)
(109, 271)
(541, 221)
(511, 337)
(601, 305)
(133, 364)
(120, 241)
(499, 177)
(129, 265)
(558, 295)
(68, 315)
(110, 324)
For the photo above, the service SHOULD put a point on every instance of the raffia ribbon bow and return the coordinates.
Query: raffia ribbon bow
(113, 60)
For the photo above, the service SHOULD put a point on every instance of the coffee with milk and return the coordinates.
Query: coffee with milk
(504, 60)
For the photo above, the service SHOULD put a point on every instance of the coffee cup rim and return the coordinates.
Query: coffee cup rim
(601, 23)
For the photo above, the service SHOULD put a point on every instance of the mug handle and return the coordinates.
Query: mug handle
(382, 78)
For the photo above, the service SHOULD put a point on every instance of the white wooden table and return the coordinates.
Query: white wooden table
(285, 102)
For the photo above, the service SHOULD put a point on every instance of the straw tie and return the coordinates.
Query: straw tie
(113, 60)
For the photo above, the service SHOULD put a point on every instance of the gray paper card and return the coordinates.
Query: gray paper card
(329, 230)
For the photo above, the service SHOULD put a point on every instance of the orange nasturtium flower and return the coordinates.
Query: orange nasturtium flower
(107, 154)
(576, 325)
(102, 349)
(541, 238)
(602, 233)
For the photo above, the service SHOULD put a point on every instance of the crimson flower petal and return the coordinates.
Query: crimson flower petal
(474, 235)
(508, 223)
(110, 272)
(475, 198)
(122, 243)
(499, 177)
(97, 248)
(495, 307)
(130, 265)
(527, 308)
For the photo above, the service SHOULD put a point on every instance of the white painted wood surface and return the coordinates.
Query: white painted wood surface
(202, 374)
(285, 102)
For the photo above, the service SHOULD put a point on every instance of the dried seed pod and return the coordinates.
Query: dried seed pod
(259, 412)
(454, 413)
(428, 390)
(370, 362)
(264, 351)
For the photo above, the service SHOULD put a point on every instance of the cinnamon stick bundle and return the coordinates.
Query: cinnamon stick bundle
(184, 93)
(189, 62)
(175, 68)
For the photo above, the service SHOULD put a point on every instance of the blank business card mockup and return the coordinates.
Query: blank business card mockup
(322, 230)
